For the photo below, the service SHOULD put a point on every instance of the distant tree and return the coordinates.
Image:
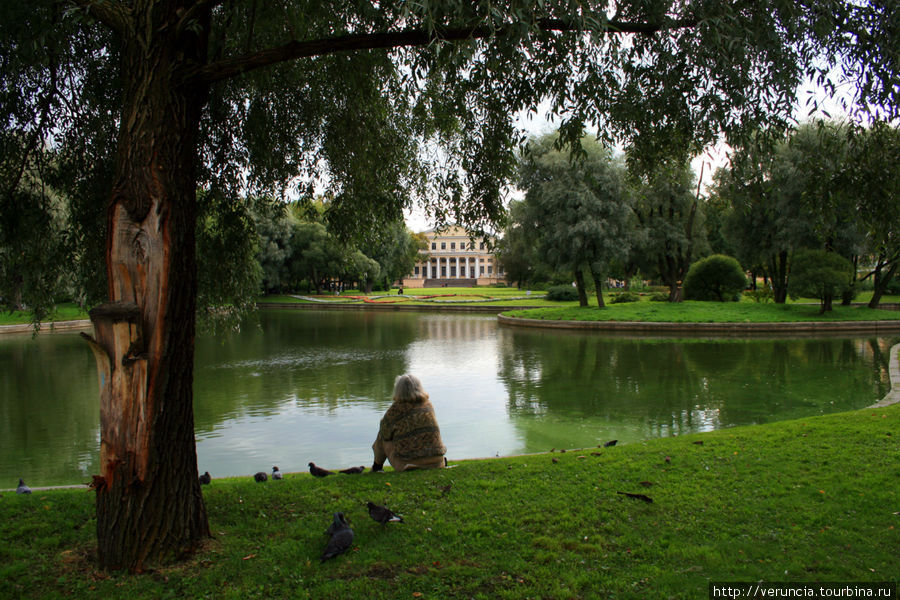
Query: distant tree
(875, 172)
(819, 274)
(396, 249)
(582, 206)
(275, 250)
(669, 216)
(363, 269)
(716, 277)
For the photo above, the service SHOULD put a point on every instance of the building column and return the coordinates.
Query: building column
(477, 267)
(457, 267)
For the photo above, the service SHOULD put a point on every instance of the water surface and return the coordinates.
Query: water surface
(312, 385)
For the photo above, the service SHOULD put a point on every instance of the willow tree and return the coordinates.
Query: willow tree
(140, 103)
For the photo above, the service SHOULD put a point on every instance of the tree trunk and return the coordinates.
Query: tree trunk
(779, 275)
(579, 286)
(826, 304)
(598, 287)
(880, 281)
(150, 508)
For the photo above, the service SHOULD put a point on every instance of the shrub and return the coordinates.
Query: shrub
(819, 274)
(659, 297)
(562, 293)
(623, 297)
(761, 294)
(893, 288)
(716, 277)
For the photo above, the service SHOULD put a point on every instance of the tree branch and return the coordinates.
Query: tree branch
(111, 13)
(231, 67)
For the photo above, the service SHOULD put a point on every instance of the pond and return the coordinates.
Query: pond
(298, 386)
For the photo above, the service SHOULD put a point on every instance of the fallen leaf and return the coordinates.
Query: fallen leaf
(249, 556)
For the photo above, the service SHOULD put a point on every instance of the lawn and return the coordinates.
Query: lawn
(706, 312)
(65, 311)
(814, 499)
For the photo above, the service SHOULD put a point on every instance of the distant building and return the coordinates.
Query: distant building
(454, 260)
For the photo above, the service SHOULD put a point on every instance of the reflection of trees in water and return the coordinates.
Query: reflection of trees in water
(676, 385)
(49, 408)
(315, 359)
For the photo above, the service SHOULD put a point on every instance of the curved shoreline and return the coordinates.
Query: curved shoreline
(876, 327)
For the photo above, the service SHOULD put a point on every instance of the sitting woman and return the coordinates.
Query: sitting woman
(409, 436)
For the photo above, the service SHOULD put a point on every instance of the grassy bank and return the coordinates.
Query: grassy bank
(707, 312)
(808, 500)
(66, 311)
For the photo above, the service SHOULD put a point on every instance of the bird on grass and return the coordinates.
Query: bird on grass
(261, 477)
(383, 514)
(205, 478)
(318, 471)
(353, 470)
(341, 537)
(610, 443)
(646, 499)
(276, 474)
(23, 489)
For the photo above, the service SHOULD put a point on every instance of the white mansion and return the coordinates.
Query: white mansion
(454, 260)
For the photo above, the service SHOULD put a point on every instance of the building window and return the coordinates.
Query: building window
(490, 269)
(433, 246)
(481, 246)
(443, 245)
(443, 271)
(417, 271)
(482, 269)
(453, 245)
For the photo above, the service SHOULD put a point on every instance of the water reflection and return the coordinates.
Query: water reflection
(302, 385)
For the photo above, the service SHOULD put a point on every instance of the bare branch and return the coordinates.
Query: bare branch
(111, 13)
(231, 67)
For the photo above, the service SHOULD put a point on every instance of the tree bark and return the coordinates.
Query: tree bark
(150, 508)
(579, 286)
(880, 281)
(598, 286)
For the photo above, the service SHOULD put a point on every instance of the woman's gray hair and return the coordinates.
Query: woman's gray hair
(408, 388)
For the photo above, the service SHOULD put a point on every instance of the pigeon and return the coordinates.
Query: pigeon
(205, 478)
(383, 514)
(353, 470)
(261, 477)
(23, 489)
(698, 442)
(610, 443)
(276, 474)
(341, 537)
(646, 499)
(318, 471)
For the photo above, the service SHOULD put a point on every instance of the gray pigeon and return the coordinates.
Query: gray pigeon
(318, 471)
(383, 514)
(205, 478)
(276, 474)
(23, 489)
(261, 477)
(353, 470)
(341, 537)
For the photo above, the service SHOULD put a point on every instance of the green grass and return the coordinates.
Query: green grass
(67, 311)
(809, 500)
(707, 312)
